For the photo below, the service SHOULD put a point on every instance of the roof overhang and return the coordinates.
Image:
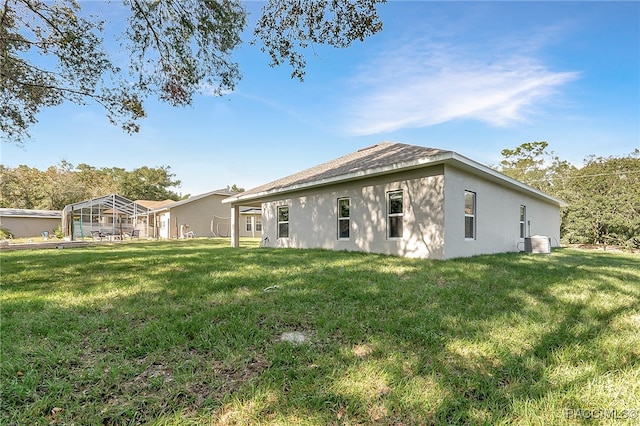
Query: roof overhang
(447, 157)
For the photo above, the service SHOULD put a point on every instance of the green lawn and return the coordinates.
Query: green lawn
(184, 333)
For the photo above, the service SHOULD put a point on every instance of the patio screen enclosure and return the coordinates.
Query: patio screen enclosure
(110, 215)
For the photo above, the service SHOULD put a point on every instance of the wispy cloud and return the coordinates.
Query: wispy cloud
(426, 83)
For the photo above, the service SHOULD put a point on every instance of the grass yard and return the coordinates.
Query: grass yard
(189, 333)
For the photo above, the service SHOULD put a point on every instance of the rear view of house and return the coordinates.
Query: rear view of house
(403, 200)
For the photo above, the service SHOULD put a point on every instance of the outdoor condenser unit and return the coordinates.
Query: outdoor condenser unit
(537, 244)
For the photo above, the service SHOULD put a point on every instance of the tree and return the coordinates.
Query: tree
(235, 188)
(526, 163)
(33, 29)
(147, 183)
(604, 202)
(61, 186)
(22, 188)
(176, 47)
(286, 26)
(96, 182)
(29, 188)
(532, 164)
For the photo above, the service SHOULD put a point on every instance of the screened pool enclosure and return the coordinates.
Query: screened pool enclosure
(109, 217)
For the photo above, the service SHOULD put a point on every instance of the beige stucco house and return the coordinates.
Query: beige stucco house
(250, 222)
(203, 215)
(403, 200)
(24, 223)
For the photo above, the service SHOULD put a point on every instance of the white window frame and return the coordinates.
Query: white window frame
(344, 218)
(523, 221)
(258, 223)
(391, 216)
(471, 215)
(248, 225)
(283, 222)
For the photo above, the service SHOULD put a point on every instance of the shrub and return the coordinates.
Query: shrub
(58, 232)
(5, 234)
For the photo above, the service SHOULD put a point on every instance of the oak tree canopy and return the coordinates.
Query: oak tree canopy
(52, 52)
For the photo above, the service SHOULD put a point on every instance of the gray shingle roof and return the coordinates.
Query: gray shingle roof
(385, 154)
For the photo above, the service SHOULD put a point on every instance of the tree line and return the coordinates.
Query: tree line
(603, 194)
(27, 187)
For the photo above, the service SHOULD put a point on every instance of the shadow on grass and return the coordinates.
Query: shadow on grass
(163, 332)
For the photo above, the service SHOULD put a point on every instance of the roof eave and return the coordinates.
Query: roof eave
(408, 165)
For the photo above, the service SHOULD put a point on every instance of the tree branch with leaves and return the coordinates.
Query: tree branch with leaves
(32, 33)
(51, 53)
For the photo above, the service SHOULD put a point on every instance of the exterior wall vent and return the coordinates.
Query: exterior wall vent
(537, 244)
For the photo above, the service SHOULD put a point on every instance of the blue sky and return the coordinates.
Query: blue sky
(473, 77)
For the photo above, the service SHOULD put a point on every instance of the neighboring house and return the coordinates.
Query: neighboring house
(250, 222)
(201, 216)
(403, 200)
(24, 223)
(148, 223)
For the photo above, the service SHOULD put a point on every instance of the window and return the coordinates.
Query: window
(523, 219)
(394, 214)
(258, 223)
(469, 215)
(343, 218)
(283, 222)
(249, 223)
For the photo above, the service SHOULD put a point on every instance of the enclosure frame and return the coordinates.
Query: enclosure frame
(110, 216)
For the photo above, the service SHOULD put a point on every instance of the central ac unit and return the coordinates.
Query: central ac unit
(537, 244)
